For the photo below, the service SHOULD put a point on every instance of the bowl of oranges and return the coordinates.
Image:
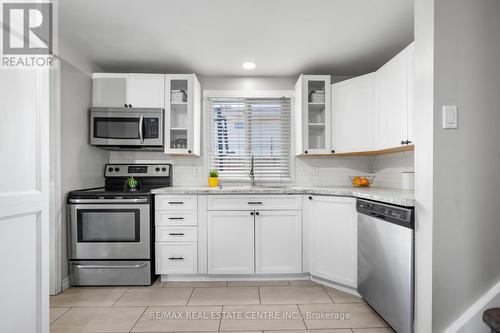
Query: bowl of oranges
(361, 181)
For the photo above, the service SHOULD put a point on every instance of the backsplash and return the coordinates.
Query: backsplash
(309, 171)
(388, 169)
(328, 171)
(188, 171)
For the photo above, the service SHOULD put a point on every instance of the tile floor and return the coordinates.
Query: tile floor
(274, 306)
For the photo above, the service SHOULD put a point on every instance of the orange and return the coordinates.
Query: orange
(365, 182)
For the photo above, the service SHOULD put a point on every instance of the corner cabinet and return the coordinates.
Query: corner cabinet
(394, 101)
(313, 115)
(182, 114)
(353, 116)
(128, 90)
(333, 238)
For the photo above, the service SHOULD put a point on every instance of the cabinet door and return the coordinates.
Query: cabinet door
(353, 114)
(333, 241)
(230, 242)
(313, 114)
(392, 102)
(109, 90)
(278, 242)
(146, 90)
(411, 78)
(183, 114)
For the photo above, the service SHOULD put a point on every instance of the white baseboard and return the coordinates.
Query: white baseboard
(472, 317)
(251, 277)
(65, 283)
(338, 286)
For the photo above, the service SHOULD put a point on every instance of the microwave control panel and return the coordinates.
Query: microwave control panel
(152, 127)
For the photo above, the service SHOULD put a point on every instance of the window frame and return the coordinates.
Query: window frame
(207, 117)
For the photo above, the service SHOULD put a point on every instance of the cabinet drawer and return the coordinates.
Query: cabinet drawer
(168, 219)
(176, 258)
(176, 202)
(171, 234)
(251, 202)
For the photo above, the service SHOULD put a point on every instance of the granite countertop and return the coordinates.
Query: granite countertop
(391, 196)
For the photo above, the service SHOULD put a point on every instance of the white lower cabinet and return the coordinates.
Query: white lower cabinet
(278, 242)
(230, 242)
(176, 258)
(333, 238)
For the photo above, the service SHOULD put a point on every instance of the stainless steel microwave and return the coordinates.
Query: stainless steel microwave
(127, 128)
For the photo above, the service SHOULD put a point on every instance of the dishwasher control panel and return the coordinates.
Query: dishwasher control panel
(395, 214)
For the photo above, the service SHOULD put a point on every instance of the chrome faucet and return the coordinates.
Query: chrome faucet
(252, 172)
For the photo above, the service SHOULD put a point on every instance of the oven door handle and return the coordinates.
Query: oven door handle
(141, 124)
(79, 266)
(99, 201)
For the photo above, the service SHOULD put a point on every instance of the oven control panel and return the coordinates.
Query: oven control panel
(138, 170)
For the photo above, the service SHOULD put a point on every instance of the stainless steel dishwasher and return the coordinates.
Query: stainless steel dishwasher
(385, 261)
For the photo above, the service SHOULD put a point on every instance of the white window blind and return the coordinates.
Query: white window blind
(240, 127)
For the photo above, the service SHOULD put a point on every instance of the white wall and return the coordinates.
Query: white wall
(466, 251)
(423, 118)
(81, 164)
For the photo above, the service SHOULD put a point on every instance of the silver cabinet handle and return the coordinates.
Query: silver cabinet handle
(176, 203)
(176, 218)
(141, 121)
(176, 258)
(176, 234)
(99, 201)
(79, 266)
(255, 202)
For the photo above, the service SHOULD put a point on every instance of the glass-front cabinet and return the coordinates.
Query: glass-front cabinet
(182, 114)
(313, 115)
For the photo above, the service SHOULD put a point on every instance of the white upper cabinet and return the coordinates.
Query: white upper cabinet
(353, 114)
(394, 101)
(146, 90)
(333, 243)
(109, 90)
(128, 90)
(182, 114)
(313, 115)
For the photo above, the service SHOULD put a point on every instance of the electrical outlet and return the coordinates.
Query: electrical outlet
(315, 172)
(196, 171)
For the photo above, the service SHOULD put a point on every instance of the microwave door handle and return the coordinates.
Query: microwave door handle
(141, 123)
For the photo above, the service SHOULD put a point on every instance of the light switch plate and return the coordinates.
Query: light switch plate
(450, 116)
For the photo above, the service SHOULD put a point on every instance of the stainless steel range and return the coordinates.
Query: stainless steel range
(111, 228)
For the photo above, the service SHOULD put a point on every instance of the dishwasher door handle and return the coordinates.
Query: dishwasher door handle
(80, 266)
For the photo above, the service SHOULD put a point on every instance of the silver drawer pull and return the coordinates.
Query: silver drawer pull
(176, 218)
(176, 234)
(108, 266)
(176, 203)
(176, 258)
(255, 202)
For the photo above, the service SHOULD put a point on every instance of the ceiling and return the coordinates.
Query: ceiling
(214, 37)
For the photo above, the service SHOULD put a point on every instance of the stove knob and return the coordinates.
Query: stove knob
(110, 169)
(157, 169)
(117, 169)
(163, 169)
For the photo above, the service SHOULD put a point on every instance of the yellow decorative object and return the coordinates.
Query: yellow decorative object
(213, 181)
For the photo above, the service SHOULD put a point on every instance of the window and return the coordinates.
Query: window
(240, 127)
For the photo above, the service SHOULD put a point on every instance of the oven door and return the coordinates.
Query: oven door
(109, 229)
(126, 127)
